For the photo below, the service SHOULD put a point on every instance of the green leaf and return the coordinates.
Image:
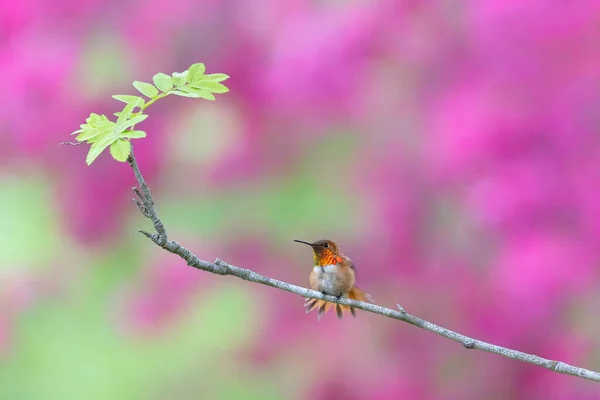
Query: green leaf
(200, 93)
(124, 117)
(132, 134)
(180, 78)
(186, 94)
(210, 86)
(95, 126)
(146, 89)
(126, 98)
(215, 77)
(98, 147)
(135, 120)
(120, 149)
(163, 81)
(93, 121)
(196, 72)
(96, 134)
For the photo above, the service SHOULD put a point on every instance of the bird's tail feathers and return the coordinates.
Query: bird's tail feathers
(323, 306)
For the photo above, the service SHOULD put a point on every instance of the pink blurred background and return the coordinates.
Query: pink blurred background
(452, 149)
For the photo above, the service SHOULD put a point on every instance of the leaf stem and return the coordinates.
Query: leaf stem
(154, 99)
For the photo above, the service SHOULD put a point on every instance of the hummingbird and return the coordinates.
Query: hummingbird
(333, 274)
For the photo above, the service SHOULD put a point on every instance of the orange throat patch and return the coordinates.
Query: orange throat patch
(326, 258)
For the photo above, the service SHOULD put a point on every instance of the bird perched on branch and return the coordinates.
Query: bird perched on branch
(333, 274)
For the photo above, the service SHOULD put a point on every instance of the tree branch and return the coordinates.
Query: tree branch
(145, 204)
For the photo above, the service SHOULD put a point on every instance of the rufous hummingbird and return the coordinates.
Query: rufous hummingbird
(333, 274)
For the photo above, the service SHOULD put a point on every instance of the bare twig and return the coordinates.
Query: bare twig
(71, 143)
(146, 206)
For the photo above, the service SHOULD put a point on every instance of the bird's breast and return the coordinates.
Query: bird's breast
(326, 269)
(332, 279)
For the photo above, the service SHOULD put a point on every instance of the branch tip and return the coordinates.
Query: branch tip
(70, 143)
(148, 235)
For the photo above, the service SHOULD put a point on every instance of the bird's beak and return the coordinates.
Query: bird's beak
(302, 241)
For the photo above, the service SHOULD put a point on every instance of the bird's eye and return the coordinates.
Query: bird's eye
(325, 245)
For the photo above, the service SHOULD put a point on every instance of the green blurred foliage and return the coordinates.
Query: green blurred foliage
(69, 346)
(29, 233)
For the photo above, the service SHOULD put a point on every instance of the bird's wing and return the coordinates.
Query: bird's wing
(350, 263)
